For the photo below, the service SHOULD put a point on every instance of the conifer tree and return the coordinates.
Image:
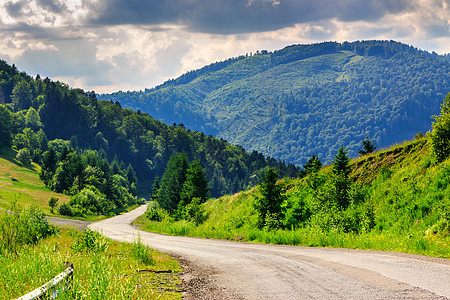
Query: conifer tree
(131, 175)
(341, 182)
(311, 166)
(269, 204)
(172, 182)
(368, 147)
(196, 184)
(341, 162)
(155, 189)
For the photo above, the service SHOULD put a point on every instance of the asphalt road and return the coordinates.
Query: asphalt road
(254, 271)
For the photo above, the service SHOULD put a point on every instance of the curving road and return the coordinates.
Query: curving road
(255, 271)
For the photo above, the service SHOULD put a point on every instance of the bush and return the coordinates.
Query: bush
(24, 156)
(65, 210)
(28, 227)
(440, 137)
(90, 241)
(154, 212)
(53, 202)
(194, 212)
(34, 225)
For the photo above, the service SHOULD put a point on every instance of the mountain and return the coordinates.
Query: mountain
(305, 99)
(38, 113)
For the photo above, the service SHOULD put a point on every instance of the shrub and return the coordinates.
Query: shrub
(154, 212)
(194, 212)
(88, 200)
(440, 136)
(24, 156)
(53, 202)
(65, 209)
(34, 225)
(90, 241)
(28, 227)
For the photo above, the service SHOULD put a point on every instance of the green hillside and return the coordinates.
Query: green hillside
(397, 200)
(21, 186)
(306, 99)
(116, 150)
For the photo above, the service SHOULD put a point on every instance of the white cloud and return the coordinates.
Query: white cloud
(58, 38)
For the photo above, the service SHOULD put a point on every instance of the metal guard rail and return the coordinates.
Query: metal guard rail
(47, 290)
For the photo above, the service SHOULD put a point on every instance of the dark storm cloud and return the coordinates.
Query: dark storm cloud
(237, 16)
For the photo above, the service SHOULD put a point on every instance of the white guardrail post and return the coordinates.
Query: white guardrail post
(47, 290)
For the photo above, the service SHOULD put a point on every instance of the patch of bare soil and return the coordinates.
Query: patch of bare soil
(199, 283)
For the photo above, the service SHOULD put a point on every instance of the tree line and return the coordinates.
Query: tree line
(49, 121)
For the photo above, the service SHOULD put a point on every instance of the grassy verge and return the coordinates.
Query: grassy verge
(415, 243)
(399, 201)
(116, 271)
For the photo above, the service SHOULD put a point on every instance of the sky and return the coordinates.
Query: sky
(112, 45)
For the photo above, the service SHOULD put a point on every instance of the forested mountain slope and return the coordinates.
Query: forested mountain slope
(306, 99)
(34, 111)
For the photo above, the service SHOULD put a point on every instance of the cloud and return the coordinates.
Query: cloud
(109, 45)
(52, 6)
(240, 16)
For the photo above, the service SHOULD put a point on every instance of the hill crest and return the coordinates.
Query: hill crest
(306, 99)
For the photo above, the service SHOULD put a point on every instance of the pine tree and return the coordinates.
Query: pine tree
(341, 182)
(368, 147)
(172, 182)
(341, 162)
(269, 204)
(155, 189)
(311, 166)
(196, 184)
(131, 175)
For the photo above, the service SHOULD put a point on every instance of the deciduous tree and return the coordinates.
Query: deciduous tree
(440, 136)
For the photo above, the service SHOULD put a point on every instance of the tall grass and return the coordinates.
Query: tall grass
(112, 272)
(17, 230)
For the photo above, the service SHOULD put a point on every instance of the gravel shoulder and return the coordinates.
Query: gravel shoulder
(77, 224)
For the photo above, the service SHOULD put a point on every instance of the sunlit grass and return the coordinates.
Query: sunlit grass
(22, 186)
(111, 274)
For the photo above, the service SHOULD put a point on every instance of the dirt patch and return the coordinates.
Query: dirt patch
(200, 282)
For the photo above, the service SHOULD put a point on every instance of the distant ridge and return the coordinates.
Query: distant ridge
(306, 99)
